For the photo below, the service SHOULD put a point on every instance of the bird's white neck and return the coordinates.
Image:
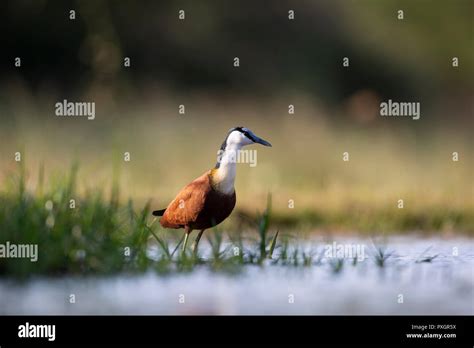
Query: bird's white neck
(224, 175)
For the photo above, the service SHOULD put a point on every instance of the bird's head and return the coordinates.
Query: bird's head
(241, 136)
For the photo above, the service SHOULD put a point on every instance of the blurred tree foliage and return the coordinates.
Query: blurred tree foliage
(409, 58)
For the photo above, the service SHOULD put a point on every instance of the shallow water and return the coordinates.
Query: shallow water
(443, 286)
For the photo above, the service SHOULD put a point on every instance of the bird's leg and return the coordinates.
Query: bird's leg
(187, 231)
(196, 242)
(186, 235)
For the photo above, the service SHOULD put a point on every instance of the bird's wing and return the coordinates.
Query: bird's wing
(187, 205)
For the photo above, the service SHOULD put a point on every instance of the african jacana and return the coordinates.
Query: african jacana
(209, 199)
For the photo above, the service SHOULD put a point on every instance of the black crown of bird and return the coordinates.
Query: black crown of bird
(209, 199)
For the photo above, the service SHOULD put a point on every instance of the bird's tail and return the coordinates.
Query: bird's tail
(159, 212)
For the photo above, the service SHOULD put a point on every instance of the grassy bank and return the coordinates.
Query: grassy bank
(97, 234)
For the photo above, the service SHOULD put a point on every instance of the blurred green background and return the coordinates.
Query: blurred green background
(282, 62)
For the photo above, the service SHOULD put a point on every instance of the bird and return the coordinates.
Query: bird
(209, 199)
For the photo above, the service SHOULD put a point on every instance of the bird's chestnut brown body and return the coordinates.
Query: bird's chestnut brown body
(199, 205)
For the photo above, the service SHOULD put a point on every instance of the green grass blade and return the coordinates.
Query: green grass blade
(272, 245)
(161, 243)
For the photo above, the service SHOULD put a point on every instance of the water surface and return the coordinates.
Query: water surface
(406, 284)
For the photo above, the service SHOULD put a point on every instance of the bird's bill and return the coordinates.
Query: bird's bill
(258, 140)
